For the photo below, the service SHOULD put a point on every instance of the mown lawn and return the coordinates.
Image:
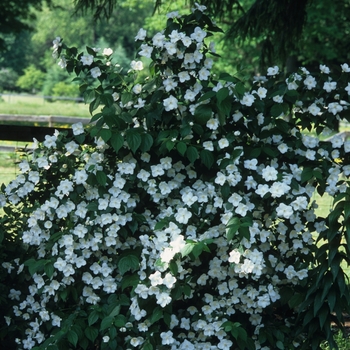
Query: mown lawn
(37, 105)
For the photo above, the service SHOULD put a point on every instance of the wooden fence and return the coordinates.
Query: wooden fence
(12, 132)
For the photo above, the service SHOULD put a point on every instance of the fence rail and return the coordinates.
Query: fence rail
(12, 132)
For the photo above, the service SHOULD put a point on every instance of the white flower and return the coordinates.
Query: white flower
(163, 299)
(173, 14)
(105, 339)
(136, 65)
(170, 103)
(251, 164)
(78, 128)
(86, 60)
(269, 173)
(345, 68)
(310, 82)
(283, 148)
(146, 50)
(314, 109)
(141, 34)
(248, 99)
(158, 40)
(223, 143)
(329, 86)
(95, 72)
(337, 141)
(272, 70)
(208, 145)
(198, 34)
(167, 338)
(220, 178)
(262, 92)
(169, 84)
(324, 69)
(169, 280)
(278, 99)
(335, 108)
(203, 74)
(235, 256)
(212, 123)
(284, 211)
(156, 278)
(62, 62)
(107, 52)
(262, 190)
(183, 215)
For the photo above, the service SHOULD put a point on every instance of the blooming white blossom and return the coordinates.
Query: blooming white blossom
(170, 103)
(95, 72)
(136, 65)
(107, 51)
(272, 70)
(141, 34)
(87, 60)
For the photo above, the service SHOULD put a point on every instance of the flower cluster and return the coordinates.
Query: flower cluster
(183, 218)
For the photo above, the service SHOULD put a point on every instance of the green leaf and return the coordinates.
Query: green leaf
(127, 263)
(202, 114)
(72, 337)
(91, 333)
(156, 315)
(106, 322)
(133, 138)
(187, 249)
(94, 104)
(130, 281)
(181, 147)
(295, 300)
(101, 177)
(117, 141)
(161, 224)
(306, 175)
(34, 265)
(225, 190)
(318, 302)
(147, 346)
(222, 94)
(282, 125)
(126, 97)
(276, 110)
(93, 317)
(105, 134)
(192, 154)
(89, 96)
(120, 321)
(146, 142)
(232, 227)
(169, 145)
(207, 158)
(187, 290)
(240, 89)
(115, 311)
(173, 268)
(207, 96)
(49, 269)
(279, 345)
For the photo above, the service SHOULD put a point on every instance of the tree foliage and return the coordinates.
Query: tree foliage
(14, 16)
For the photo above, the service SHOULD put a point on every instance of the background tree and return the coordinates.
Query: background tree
(14, 16)
(288, 33)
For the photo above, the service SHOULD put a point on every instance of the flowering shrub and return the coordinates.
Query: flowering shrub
(183, 216)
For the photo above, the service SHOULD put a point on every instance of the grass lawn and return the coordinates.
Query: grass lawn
(37, 105)
(8, 166)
